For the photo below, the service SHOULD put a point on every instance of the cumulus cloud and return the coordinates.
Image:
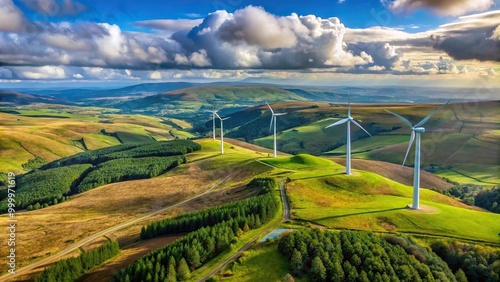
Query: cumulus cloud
(442, 7)
(384, 55)
(471, 37)
(247, 38)
(11, 18)
(45, 72)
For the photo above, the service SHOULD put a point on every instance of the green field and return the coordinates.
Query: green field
(338, 207)
(320, 192)
(261, 263)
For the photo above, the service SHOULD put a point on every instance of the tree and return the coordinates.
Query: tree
(296, 262)
(183, 272)
(172, 275)
(318, 270)
(460, 276)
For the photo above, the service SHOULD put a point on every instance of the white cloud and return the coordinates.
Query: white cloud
(11, 18)
(442, 7)
(169, 25)
(45, 72)
(155, 75)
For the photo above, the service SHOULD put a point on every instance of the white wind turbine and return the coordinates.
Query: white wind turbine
(273, 118)
(415, 131)
(349, 119)
(214, 112)
(221, 132)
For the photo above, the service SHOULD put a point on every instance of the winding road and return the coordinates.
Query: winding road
(95, 236)
(286, 216)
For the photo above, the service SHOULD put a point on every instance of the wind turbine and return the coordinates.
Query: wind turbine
(349, 119)
(415, 131)
(214, 112)
(273, 118)
(221, 133)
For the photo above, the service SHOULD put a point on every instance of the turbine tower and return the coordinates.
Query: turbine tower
(416, 130)
(214, 112)
(349, 119)
(273, 118)
(221, 132)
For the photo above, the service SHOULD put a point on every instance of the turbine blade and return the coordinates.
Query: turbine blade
(401, 118)
(280, 114)
(270, 108)
(271, 124)
(338, 122)
(356, 123)
(226, 118)
(431, 114)
(412, 138)
(217, 115)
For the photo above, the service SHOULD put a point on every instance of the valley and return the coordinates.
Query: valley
(113, 200)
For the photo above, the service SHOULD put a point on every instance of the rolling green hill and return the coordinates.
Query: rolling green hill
(189, 101)
(321, 193)
(461, 142)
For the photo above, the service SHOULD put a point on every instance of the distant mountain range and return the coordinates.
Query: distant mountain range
(185, 97)
(9, 98)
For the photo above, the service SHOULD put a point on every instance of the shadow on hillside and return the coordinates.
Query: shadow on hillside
(360, 213)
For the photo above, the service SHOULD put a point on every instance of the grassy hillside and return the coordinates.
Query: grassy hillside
(15, 98)
(52, 229)
(320, 192)
(461, 142)
(58, 131)
(189, 101)
(398, 173)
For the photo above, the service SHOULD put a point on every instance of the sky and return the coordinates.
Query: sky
(448, 43)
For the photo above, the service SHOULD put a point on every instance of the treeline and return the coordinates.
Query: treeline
(489, 199)
(475, 195)
(128, 169)
(42, 187)
(56, 181)
(129, 150)
(33, 163)
(73, 268)
(360, 256)
(248, 214)
(478, 263)
(176, 261)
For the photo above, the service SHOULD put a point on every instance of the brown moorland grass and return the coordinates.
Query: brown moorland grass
(25, 137)
(50, 230)
(126, 257)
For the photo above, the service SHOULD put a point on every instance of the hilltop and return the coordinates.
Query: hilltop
(191, 100)
(321, 193)
(9, 98)
(461, 142)
(32, 136)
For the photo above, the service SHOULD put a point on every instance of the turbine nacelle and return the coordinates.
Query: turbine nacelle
(419, 129)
